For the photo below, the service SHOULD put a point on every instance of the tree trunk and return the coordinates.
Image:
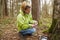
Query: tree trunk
(1, 8)
(36, 9)
(36, 13)
(55, 27)
(5, 8)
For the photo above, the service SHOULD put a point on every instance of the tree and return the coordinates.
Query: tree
(36, 12)
(55, 27)
(36, 9)
(0, 7)
(5, 8)
(6, 11)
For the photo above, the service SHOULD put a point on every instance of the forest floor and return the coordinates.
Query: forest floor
(8, 30)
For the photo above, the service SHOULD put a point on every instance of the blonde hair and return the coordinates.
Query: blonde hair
(24, 4)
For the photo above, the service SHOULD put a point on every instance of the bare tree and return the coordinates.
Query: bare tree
(0, 7)
(36, 9)
(5, 8)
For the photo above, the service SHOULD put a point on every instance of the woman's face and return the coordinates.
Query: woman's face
(27, 10)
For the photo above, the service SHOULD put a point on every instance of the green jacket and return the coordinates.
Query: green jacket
(24, 21)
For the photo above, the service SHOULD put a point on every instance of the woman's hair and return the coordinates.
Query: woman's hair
(24, 6)
(27, 7)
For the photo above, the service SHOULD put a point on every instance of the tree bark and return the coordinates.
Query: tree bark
(1, 8)
(36, 9)
(5, 8)
(55, 27)
(36, 13)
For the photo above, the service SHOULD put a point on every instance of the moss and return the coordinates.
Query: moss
(53, 25)
(55, 36)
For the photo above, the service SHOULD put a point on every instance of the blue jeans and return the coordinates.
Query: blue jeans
(28, 31)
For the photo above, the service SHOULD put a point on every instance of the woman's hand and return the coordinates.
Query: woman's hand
(35, 24)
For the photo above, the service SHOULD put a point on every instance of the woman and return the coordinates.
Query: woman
(26, 25)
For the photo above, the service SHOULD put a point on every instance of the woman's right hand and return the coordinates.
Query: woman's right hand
(33, 25)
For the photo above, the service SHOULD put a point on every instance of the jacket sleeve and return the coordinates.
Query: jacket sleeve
(31, 19)
(21, 23)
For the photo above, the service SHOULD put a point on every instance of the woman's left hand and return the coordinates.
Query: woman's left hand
(35, 23)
